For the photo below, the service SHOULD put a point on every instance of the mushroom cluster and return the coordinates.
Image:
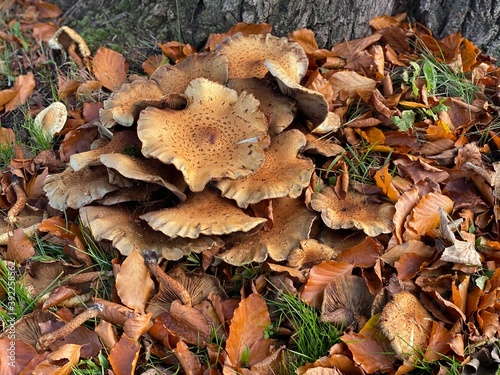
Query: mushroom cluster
(203, 149)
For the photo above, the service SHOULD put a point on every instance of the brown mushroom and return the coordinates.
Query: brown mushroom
(122, 142)
(347, 302)
(152, 171)
(282, 174)
(220, 134)
(163, 90)
(311, 103)
(246, 55)
(133, 233)
(278, 108)
(292, 222)
(202, 213)
(353, 212)
(76, 189)
(51, 120)
(65, 37)
(407, 324)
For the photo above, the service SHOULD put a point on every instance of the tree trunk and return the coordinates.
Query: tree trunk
(135, 25)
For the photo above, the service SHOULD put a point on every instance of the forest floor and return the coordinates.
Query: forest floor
(271, 210)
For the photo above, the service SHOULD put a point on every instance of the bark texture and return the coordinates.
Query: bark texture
(138, 24)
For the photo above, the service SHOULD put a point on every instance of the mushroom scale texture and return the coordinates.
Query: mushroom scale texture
(219, 134)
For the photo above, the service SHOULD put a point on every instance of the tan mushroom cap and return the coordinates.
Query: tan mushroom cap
(282, 174)
(292, 222)
(311, 103)
(347, 301)
(64, 37)
(141, 193)
(407, 324)
(120, 105)
(123, 228)
(220, 134)
(246, 55)
(353, 212)
(164, 88)
(202, 213)
(77, 189)
(175, 79)
(121, 142)
(152, 171)
(278, 108)
(51, 120)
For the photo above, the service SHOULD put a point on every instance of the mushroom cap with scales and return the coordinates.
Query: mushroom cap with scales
(219, 134)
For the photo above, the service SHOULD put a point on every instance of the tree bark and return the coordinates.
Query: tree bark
(135, 25)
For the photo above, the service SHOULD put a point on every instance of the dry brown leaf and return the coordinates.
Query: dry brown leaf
(425, 215)
(24, 353)
(134, 283)
(306, 39)
(347, 84)
(188, 360)
(24, 86)
(319, 277)
(124, 355)
(59, 362)
(246, 331)
(367, 353)
(19, 247)
(110, 68)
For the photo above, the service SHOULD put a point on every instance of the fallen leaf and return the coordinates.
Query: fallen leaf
(110, 68)
(246, 332)
(134, 283)
(124, 355)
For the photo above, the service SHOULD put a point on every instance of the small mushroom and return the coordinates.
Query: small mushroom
(220, 134)
(246, 55)
(152, 171)
(76, 189)
(311, 103)
(51, 120)
(278, 108)
(202, 213)
(122, 142)
(407, 324)
(65, 38)
(353, 212)
(282, 174)
(347, 302)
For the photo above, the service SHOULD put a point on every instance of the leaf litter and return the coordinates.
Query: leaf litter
(173, 249)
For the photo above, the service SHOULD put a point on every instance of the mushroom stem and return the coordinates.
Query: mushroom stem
(21, 200)
(48, 339)
(165, 280)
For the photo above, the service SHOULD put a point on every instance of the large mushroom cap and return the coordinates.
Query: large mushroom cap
(220, 134)
(292, 222)
(282, 173)
(246, 55)
(353, 212)
(202, 213)
(311, 103)
(133, 233)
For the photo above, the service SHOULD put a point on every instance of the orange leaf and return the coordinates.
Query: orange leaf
(134, 283)
(246, 331)
(110, 68)
(469, 53)
(319, 277)
(60, 362)
(6, 96)
(425, 215)
(19, 247)
(305, 38)
(24, 86)
(188, 360)
(368, 353)
(347, 84)
(383, 179)
(124, 355)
